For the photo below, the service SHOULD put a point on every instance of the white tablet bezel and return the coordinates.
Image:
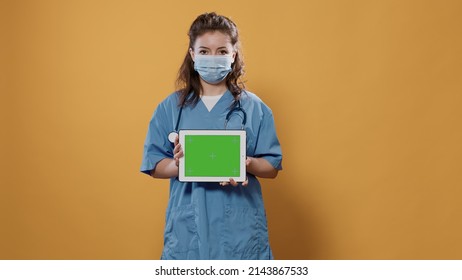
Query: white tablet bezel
(184, 132)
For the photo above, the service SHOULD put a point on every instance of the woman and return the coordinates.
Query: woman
(224, 220)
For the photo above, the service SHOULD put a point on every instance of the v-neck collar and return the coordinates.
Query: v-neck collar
(211, 100)
(223, 101)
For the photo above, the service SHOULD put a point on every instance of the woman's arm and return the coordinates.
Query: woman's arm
(260, 167)
(168, 167)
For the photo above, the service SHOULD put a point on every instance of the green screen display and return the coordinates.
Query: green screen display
(212, 155)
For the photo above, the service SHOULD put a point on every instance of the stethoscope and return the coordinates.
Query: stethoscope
(172, 135)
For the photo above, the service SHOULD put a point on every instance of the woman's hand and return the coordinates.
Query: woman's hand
(177, 151)
(168, 167)
(234, 183)
(259, 167)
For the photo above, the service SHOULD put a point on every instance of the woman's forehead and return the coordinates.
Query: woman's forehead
(213, 39)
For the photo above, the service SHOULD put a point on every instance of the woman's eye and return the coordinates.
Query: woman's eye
(224, 52)
(202, 52)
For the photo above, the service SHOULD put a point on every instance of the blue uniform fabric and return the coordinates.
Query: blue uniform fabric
(206, 220)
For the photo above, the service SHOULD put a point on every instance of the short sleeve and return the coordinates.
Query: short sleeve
(156, 145)
(267, 145)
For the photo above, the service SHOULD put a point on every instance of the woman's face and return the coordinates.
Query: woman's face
(213, 43)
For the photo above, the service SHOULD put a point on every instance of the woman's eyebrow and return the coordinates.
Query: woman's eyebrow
(202, 47)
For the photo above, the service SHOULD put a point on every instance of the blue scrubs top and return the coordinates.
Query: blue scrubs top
(206, 220)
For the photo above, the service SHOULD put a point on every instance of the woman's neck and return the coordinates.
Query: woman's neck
(211, 90)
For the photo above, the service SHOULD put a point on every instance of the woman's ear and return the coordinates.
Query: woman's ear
(234, 57)
(191, 53)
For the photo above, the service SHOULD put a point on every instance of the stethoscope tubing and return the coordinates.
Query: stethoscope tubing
(174, 133)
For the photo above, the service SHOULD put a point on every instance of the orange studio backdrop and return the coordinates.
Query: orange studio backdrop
(367, 99)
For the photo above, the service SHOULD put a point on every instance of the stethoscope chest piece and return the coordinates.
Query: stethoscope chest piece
(172, 136)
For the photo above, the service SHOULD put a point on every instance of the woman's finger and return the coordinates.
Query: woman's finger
(177, 149)
(246, 182)
(177, 140)
(178, 153)
(232, 182)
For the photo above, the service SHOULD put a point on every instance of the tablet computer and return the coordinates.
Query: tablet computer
(212, 155)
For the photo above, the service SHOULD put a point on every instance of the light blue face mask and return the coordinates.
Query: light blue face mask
(213, 68)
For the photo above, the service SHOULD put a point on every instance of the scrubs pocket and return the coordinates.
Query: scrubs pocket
(180, 236)
(246, 235)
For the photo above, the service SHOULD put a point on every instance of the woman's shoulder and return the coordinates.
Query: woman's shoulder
(251, 99)
(171, 100)
(249, 96)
